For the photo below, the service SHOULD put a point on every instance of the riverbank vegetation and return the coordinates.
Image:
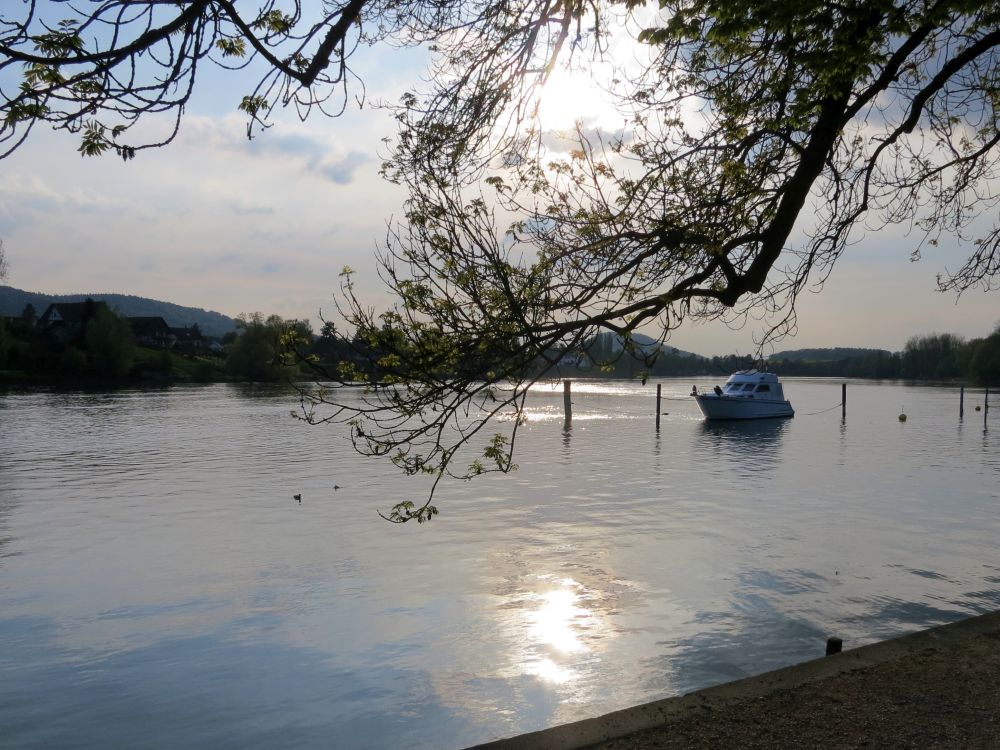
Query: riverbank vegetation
(938, 357)
(102, 347)
(102, 350)
(934, 357)
(273, 349)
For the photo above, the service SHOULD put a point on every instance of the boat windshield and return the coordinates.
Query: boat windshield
(741, 388)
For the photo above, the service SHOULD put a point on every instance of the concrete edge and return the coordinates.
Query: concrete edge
(581, 734)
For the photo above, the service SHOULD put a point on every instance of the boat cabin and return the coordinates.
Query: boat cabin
(753, 384)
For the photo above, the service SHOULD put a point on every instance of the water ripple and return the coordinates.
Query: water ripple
(159, 580)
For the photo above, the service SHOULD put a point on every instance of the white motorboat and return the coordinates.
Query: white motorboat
(748, 394)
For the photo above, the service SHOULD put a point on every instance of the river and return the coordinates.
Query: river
(160, 587)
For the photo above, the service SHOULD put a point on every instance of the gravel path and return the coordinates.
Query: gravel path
(940, 697)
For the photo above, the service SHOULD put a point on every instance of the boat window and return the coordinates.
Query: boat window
(748, 387)
(763, 388)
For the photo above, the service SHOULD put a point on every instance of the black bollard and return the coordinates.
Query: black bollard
(834, 646)
(659, 386)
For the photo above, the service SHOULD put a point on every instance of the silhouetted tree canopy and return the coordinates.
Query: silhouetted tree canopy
(258, 352)
(756, 141)
(99, 67)
(109, 345)
(984, 358)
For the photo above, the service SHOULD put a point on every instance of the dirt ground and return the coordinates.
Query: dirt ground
(942, 697)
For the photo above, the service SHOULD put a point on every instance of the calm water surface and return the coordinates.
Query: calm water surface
(160, 588)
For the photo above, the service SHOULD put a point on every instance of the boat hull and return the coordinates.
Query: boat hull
(742, 407)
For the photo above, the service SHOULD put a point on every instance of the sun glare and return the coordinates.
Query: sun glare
(553, 624)
(571, 97)
(554, 631)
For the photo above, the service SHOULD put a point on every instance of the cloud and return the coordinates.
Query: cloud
(241, 208)
(319, 156)
(314, 152)
(20, 192)
(341, 171)
(565, 141)
(285, 144)
(204, 262)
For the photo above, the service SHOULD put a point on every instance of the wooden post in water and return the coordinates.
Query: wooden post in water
(659, 386)
(568, 404)
(961, 402)
(986, 406)
(843, 400)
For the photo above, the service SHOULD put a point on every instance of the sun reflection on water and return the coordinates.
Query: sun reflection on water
(559, 628)
(552, 624)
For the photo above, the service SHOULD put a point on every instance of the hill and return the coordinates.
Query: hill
(12, 302)
(647, 343)
(835, 354)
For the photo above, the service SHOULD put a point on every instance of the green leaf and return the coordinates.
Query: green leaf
(232, 47)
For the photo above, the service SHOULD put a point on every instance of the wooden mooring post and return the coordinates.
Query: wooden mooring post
(986, 406)
(659, 388)
(843, 400)
(568, 404)
(961, 402)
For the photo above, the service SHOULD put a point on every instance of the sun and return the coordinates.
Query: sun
(571, 97)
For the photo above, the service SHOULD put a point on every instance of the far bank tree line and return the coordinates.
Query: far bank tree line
(943, 356)
(91, 341)
(924, 357)
(72, 341)
(81, 341)
(275, 349)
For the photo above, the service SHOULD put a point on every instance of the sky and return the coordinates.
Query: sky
(222, 223)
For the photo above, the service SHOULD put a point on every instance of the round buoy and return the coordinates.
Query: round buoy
(979, 408)
(902, 417)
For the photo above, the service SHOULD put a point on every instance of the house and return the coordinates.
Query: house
(66, 321)
(188, 339)
(151, 331)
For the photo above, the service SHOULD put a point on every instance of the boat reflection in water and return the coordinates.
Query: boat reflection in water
(749, 445)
